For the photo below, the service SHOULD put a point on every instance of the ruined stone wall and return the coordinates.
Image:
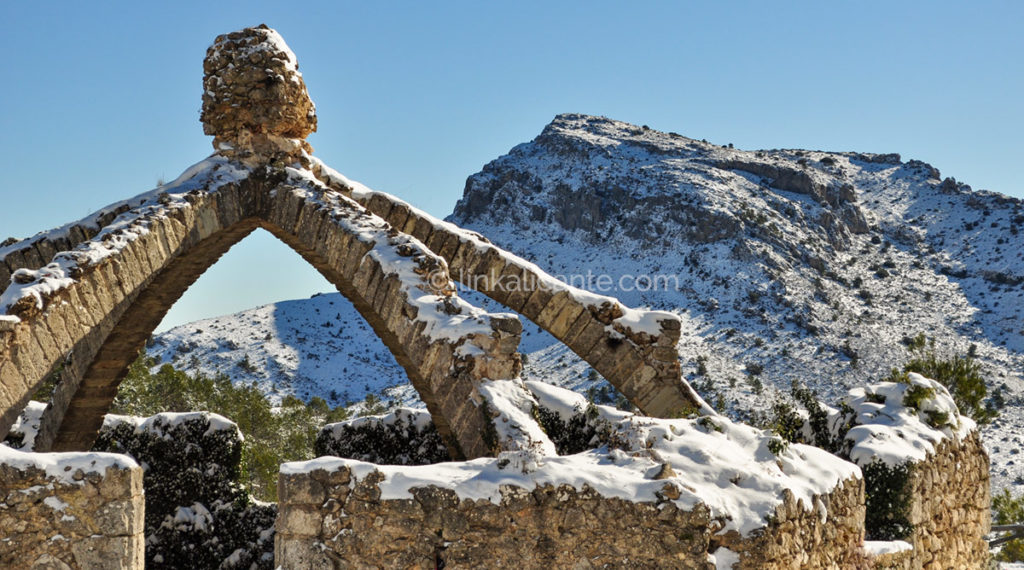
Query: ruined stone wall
(801, 538)
(84, 519)
(950, 506)
(328, 519)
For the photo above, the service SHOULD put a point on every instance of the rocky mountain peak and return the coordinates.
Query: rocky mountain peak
(792, 263)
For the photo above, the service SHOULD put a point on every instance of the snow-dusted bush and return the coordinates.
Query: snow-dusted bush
(961, 375)
(198, 515)
(404, 436)
(573, 432)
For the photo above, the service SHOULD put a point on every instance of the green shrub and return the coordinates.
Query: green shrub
(272, 436)
(1007, 509)
(785, 421)
(961, 375)
(916, 395)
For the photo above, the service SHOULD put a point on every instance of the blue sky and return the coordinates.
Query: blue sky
(100, 100)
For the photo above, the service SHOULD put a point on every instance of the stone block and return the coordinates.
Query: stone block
(298, 520)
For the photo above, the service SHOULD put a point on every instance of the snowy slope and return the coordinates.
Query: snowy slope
(783, 264)
(313, 347)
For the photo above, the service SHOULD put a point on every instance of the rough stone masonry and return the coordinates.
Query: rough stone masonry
(255, 102)
(62, 514)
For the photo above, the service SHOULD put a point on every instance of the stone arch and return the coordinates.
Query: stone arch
(635, 350)
(88, 312)
(127, 277)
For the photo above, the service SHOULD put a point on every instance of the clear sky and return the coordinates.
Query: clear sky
(99, 100)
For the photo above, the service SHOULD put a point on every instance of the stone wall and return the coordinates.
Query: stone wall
(950, 510)
(801, 538)
(80, 517)
(333, 519)
(926, 472)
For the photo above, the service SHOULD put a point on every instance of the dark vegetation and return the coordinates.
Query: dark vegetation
(960, 374)
(398, 442)
(272, 436)
(570, 436)
(198, 514)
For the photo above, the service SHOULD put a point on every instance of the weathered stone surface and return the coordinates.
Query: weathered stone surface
(950, 510)
(802, 538)
(255, 102)
(92, 521)
(548, 527)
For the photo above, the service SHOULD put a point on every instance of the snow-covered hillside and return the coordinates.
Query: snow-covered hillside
(312, 347)
(784, 265)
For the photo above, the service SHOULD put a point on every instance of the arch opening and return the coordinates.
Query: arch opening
(244, 318)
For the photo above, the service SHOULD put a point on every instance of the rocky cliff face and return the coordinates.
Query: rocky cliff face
(598, 176)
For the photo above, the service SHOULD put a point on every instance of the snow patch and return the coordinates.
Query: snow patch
(63, 466)
(55, 503)
(892, 432)
(159, 425)
(724, 559)
(27, 424)
(881, 547)
(520, 437)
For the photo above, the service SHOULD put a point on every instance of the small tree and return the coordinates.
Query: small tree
(1007, 509)
(273, 434)
(961, 375)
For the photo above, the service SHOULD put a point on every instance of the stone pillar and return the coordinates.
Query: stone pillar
(255, 102)
(71, 510)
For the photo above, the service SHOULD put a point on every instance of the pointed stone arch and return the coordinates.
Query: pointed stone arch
(124, 280)
(86, 313)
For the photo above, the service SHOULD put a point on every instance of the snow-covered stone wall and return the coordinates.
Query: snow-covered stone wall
(70, 510)
(925, 471)
(338, 516)
(696, 491)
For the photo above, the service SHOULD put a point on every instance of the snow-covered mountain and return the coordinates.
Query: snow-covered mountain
(784, 265)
